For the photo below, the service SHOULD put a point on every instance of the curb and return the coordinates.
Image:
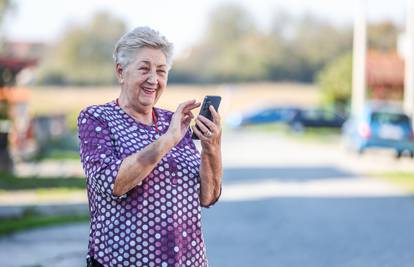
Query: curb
(43, 209)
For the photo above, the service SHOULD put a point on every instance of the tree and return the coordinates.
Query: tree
(303, 45)
(335, 81)
(234, 50)
(6, 6)
(383, 36)
(83, 55)
(230, 51)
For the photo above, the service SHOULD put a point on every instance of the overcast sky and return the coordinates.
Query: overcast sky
(182, 21)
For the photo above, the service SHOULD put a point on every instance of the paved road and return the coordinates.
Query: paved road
(284, 204)
(62, 246)
(360, 232)
(312, 232)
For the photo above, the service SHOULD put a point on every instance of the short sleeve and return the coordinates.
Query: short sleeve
(188, 139)
(99, 160)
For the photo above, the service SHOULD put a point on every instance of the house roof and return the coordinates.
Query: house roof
(16, 64)
(384, 69)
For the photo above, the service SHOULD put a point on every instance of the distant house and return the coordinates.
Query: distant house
(385, 75)
(24, 50)
(13, 107)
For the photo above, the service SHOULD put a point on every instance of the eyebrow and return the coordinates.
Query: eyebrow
(149, 63)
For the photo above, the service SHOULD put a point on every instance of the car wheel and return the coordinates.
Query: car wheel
(398, 154)
(297, 127)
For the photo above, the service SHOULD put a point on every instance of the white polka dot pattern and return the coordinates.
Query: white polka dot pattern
(157, 223)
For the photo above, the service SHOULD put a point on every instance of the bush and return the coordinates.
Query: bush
(335, 82)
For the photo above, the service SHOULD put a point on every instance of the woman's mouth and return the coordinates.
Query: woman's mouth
(148, 91)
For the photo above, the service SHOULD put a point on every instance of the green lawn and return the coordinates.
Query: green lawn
(57, 155)
(30, 221)
(308, 135)
(403, 179)
(40, 189)
(11, 182)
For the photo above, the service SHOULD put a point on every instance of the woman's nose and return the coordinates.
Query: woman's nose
(152, 78)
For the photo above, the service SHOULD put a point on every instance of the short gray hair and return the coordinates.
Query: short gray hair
(141, 37)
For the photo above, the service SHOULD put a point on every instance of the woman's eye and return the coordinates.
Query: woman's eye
(144, 68)
(161, 71)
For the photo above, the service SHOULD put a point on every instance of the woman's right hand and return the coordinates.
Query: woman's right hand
(180, 121)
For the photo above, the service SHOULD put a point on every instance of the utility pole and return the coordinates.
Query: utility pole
(359, 58)
(409, 61)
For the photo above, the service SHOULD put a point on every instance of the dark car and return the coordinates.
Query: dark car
(262, 116)
(315, 118)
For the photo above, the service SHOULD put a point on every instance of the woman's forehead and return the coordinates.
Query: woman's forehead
(150, 56)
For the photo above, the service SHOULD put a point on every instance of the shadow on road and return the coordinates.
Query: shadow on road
(291, 174)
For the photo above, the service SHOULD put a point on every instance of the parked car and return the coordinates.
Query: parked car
(262, 116)
(315, 118)
(380, 128)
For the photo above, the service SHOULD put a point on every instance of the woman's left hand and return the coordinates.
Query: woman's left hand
(210, 131)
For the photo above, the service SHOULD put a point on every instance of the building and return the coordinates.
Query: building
(385, 75)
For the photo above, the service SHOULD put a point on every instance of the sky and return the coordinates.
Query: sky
(181, 21)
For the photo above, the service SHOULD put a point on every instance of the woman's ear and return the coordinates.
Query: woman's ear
(119, 73)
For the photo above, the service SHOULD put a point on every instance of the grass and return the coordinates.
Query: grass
(317, 134)
(58, 155)
(39, 189)
(11, 182)
(31, 221)
(308, 135)
(403, 179)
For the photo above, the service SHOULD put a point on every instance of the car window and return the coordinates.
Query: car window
(329, 115)
(266, 112)
(389, 118)
(311, 114)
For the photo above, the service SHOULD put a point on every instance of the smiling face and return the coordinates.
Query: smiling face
(145, 78)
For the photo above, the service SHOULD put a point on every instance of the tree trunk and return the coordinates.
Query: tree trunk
(6, 163)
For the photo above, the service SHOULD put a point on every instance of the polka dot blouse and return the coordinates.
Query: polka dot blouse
(157, 223)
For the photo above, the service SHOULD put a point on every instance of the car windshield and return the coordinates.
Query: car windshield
(318, 114)
(389, 118)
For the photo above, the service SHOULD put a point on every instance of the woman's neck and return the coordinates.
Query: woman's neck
(141, 114)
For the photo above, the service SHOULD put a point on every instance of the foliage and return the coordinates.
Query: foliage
(84, 54)
(335, 81)
(6, 7)
(382, 36)
(9, 182)
(62, 147)
(232, 49)
(30, 221)
(225, 53)
(293, 49)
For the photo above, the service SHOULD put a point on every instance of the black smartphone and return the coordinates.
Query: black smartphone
(213, 100)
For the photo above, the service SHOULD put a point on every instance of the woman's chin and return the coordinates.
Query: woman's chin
(147, 101)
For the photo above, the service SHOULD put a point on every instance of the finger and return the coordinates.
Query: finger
(187, 121)
(199, 134)
(183, 105)
(202, 127)
(190, 114)
(191, 106)
(208, 123)
(216, 115)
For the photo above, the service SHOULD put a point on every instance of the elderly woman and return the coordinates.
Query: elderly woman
(146, 180)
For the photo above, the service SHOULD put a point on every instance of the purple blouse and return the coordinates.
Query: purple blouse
(157, 223)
